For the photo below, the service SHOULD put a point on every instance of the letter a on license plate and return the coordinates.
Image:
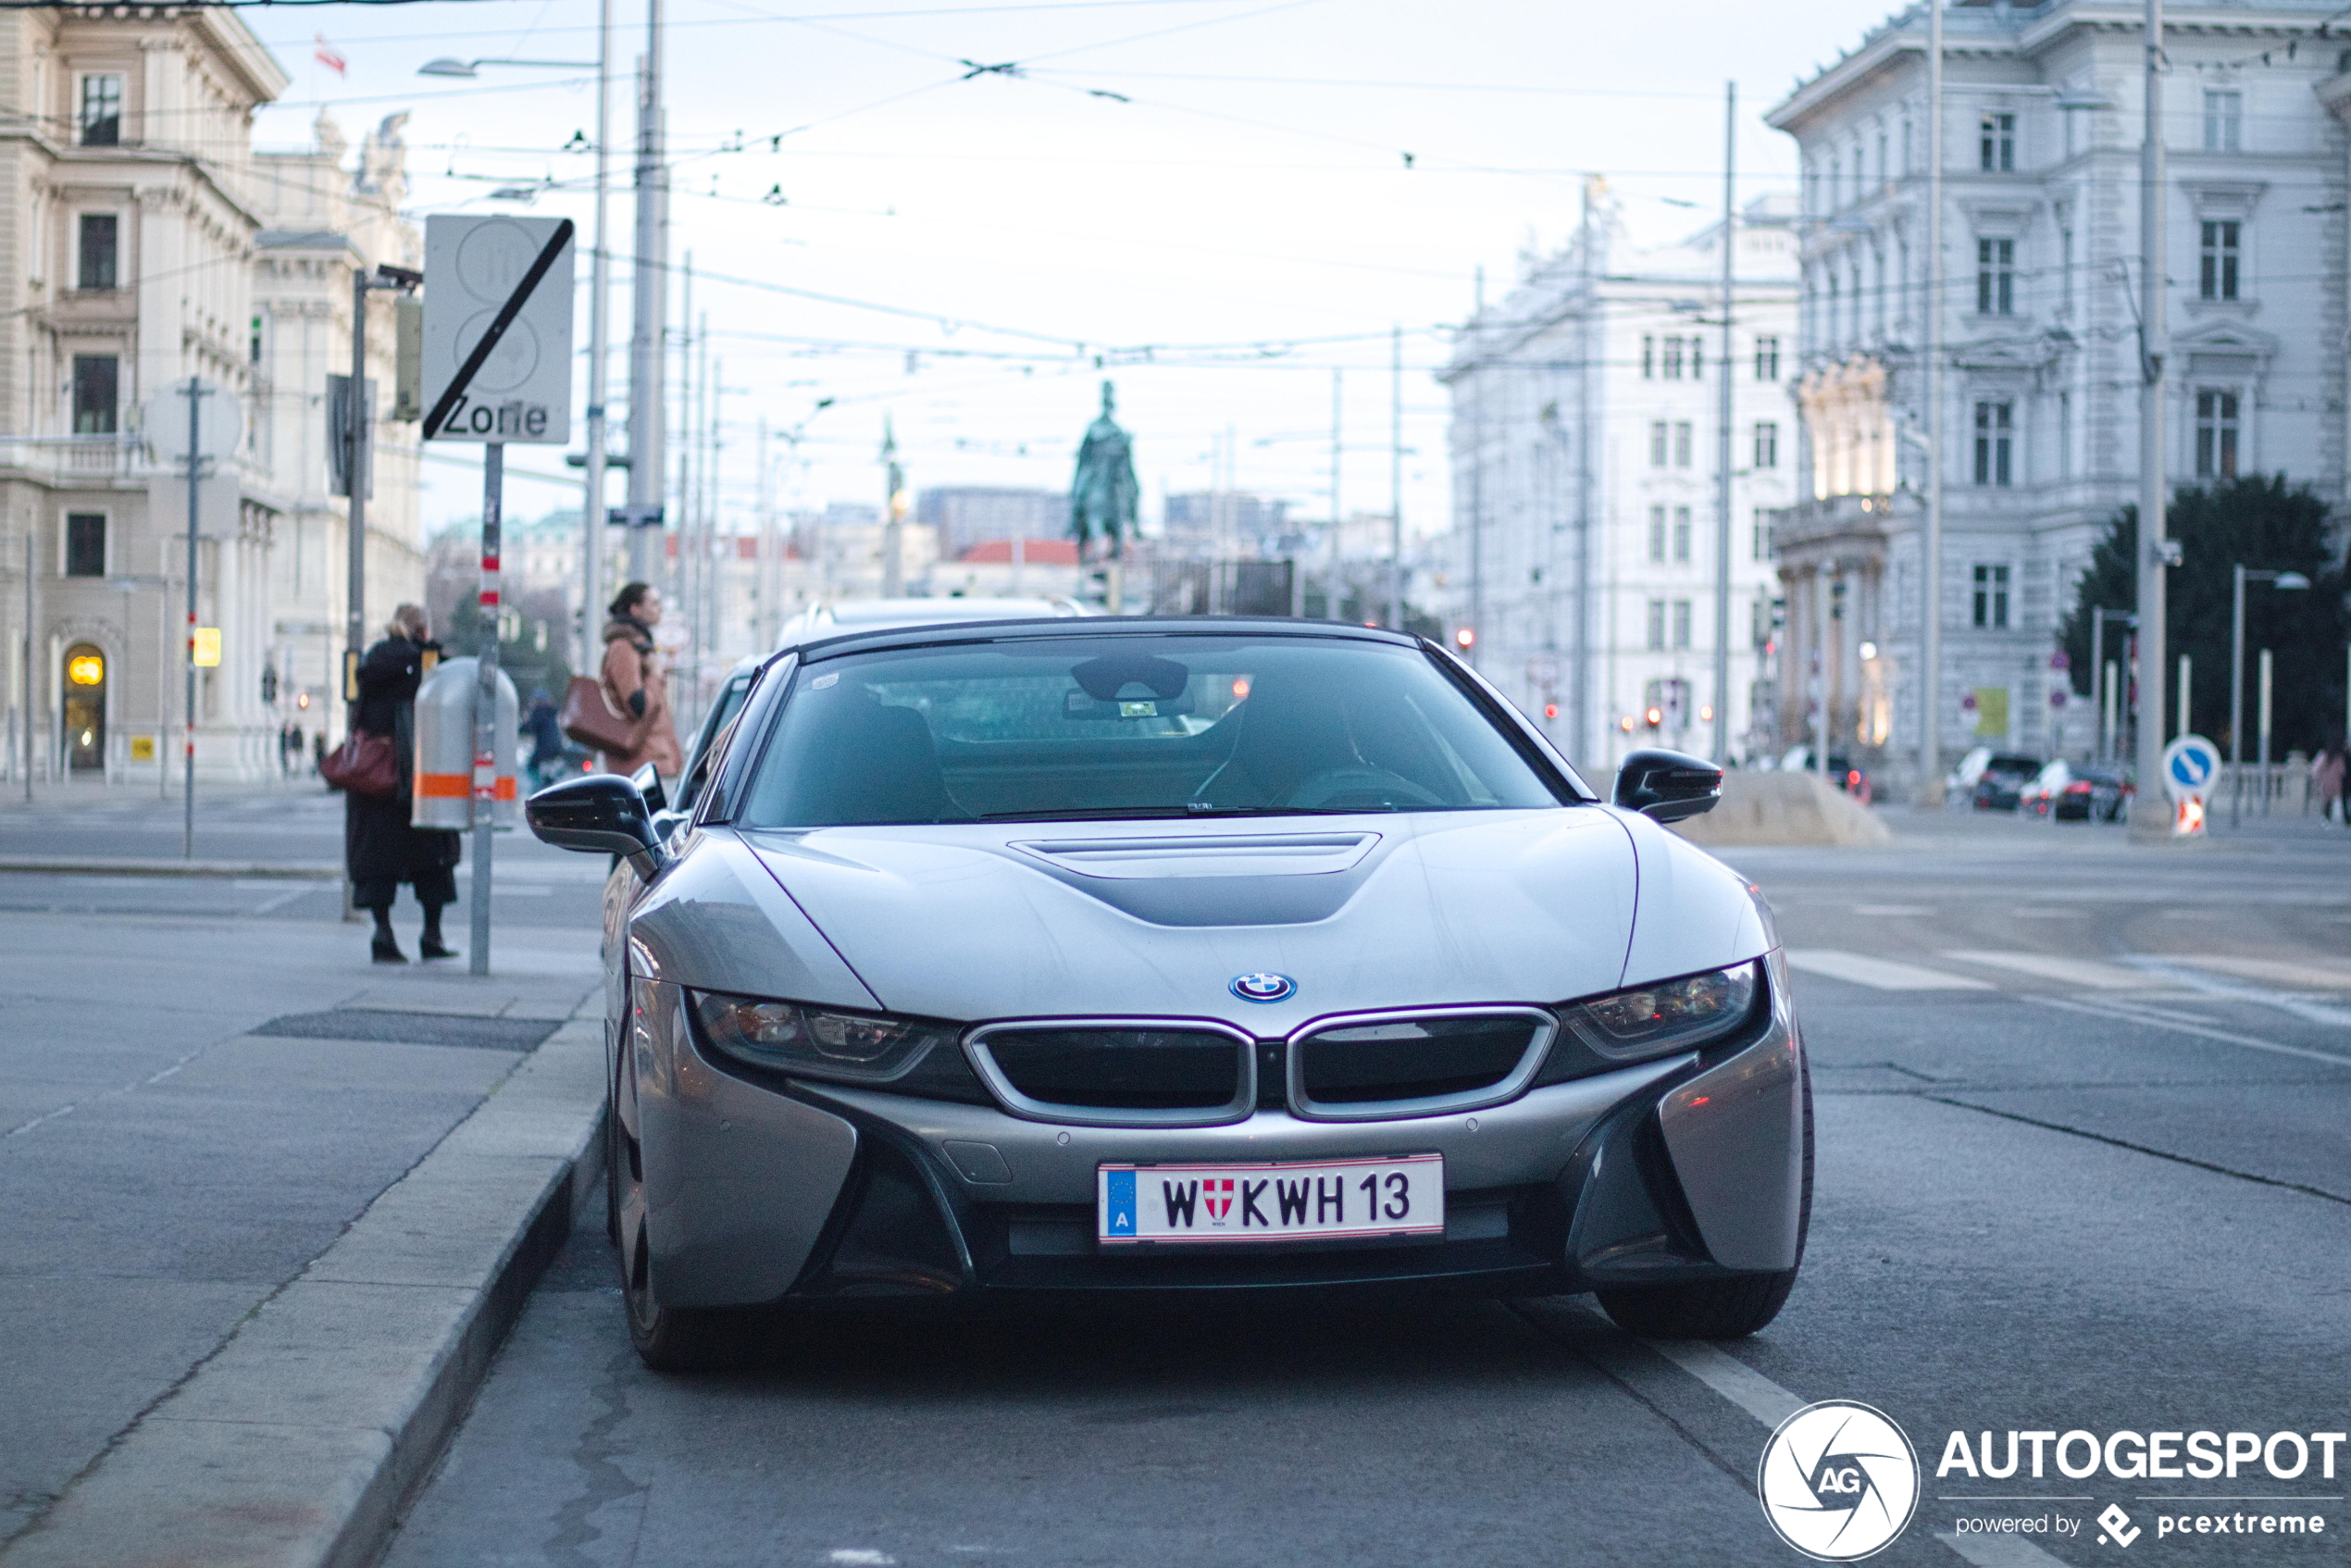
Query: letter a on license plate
(1396, 1195)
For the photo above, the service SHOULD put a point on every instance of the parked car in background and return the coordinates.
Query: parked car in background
(2065, 793)
(1841, 771)
(2001, 784)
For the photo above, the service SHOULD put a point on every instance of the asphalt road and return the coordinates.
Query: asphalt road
(2083, 1164)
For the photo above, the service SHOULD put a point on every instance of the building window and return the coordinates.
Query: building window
(1656, 626)
(1681, 624)
(1836, 184)
(1992, 598)
(1996, 277)
(2215, 433)
(1682, 534)
(1763, 542)
(2065, 269)
(2217, 261)
(85, 544)
(1996, 148)
(96, 381)
(1767, 359)
(101, 111)
(1657, 535)
(1995, 438)
(2223, 122)
(1657, 443)
(1697, 359)
(1672, 359)
(1648, 359)
(1682, 443)
(100, 234)
(1767, 444)
(2065, 435)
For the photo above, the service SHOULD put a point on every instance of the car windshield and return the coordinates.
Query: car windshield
(1130, 726)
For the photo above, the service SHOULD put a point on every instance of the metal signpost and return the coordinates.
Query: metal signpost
(497, 369)
(210, 440)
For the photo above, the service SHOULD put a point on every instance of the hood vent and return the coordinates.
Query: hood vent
(1257, 854)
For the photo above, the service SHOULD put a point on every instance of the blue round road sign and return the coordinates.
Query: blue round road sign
(2190, 765)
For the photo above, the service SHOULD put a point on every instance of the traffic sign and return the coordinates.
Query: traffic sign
(2190, 764)
(497, 330)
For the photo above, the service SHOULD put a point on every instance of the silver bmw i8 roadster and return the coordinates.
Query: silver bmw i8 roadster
(1153, 955)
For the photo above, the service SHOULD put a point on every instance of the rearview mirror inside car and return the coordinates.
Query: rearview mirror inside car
(1668, 786)
(599, 814)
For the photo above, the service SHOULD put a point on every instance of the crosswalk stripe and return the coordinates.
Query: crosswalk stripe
(2309, 973)
(1879, 974)
(2088, 973)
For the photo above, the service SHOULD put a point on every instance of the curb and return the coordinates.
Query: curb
(299, 1442)
(73, 865)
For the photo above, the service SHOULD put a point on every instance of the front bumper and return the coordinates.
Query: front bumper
(760, 1192)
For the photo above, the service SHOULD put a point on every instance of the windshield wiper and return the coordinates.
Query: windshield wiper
(1077, 813)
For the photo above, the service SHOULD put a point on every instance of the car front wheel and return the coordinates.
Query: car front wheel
(1718, 1309)
(667, 1338)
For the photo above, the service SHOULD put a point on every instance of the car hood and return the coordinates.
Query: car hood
(1158, 918)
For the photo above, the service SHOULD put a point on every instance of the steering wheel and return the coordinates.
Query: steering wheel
(1371, 789)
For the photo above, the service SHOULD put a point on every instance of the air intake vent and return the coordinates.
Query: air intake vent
(1119, 1072)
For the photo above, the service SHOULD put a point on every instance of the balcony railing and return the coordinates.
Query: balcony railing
(68, 459)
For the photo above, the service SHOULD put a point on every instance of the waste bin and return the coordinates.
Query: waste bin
(445, 749)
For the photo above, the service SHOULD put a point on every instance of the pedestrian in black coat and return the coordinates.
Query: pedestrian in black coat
(381, 851)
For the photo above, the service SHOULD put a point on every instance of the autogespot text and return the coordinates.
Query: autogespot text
(2155, 1456)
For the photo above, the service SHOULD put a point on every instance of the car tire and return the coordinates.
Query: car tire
(1718, 1309)
(667, 1338)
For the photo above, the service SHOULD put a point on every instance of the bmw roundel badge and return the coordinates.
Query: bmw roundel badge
(1264, 988)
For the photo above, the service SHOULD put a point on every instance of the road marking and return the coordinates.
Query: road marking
(2306, 1008)
(1891, 909)
(1730, 1378)
(1878, 974)
(265, 906)
(2309, 973)
(1772, 1404)
(2142, 1013)
(2086, 973)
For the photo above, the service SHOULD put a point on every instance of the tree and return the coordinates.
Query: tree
(2258, 522)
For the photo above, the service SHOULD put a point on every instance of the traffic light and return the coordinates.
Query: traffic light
(1467, 638)
(268, 684)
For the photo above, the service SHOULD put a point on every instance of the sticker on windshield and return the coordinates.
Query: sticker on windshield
(824, 680)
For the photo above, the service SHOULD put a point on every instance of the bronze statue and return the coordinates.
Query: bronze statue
(1103, 497)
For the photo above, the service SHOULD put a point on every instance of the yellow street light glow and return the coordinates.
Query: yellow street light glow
(86, 669)
(206, 648)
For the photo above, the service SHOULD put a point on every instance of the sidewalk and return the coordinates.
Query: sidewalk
(264, 1208)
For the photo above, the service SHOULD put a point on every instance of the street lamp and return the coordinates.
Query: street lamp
(468, 69)
(2284, 582)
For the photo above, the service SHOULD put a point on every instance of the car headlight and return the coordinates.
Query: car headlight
(818, 1043)
(1667, 1017)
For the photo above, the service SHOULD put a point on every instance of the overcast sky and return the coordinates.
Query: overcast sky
(1243, 209)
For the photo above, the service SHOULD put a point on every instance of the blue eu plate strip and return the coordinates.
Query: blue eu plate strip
(1119, 1199)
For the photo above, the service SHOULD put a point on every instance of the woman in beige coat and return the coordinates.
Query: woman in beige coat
(636, 683)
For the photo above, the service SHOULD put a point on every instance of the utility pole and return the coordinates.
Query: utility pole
(2151, 821)
(1723, 479)
(1396, 479)
(1579, 710)
(1339, 517)
(196, 393)
(893, 532)
(648, 465)
(1930, 786)
(592, 511)
(679, 567)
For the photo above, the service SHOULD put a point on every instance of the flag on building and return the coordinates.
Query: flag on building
(326, 55)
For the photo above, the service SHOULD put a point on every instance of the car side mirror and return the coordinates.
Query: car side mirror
(598, 813)
(648, 782)
(1668, 786)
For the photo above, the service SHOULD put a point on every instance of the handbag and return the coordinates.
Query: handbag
(364, 766)
(587, 718)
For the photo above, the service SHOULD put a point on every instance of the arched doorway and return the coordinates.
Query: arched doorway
(85, 708)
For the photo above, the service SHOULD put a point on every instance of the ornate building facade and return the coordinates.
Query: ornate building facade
(2040, 153)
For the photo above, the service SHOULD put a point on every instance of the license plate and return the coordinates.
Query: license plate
(1281, 1201)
